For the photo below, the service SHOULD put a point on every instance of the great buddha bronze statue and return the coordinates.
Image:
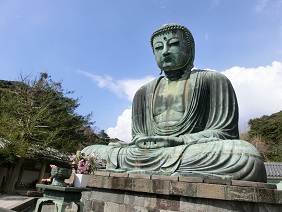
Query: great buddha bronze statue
(184, 123)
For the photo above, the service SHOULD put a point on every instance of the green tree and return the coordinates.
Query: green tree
(269, 130)
(90, 137)
(103, 138)
(37, 113)
(103, 135)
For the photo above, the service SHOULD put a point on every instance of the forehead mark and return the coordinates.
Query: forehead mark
(164, 35)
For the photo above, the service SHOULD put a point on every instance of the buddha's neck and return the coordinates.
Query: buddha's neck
(176, 74)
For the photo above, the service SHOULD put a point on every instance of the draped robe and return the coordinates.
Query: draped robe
(208, 127)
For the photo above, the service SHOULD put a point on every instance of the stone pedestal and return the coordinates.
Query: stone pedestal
(61, 196)
(141, 192)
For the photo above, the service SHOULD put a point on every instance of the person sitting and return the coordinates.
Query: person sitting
(185, 122)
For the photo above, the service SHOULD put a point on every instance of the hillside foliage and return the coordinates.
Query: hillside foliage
(37, 113)
(38, 120)
(267, 130)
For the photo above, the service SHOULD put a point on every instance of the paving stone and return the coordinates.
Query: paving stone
(125, 208)
(265, 195)
(98, 205)
(217, 181)
(98, 181)
(120, 183)
(166, 202)
(150, 201)
(141, 185)
(212, 191)
(212, 205)
(137, 199)
(86, 199)
(129, 199)
(191, 206)
(115, 196)
(267, 185)
(140, 176)
(117, 174)
(278, 197)
(160, 187)
(102, 173)
(183, 189)
(111, 207)
(244, 183)
(241, 193)
(164, 177)
(191, 179)
(140, 209)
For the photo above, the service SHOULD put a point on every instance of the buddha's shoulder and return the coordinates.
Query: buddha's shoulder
(148, 85)
(207, 74)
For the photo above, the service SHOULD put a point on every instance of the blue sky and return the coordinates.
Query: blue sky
(101, 49)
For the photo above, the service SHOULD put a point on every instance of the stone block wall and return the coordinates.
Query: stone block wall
(141, 192)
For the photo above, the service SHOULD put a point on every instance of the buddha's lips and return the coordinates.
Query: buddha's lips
(167, 59)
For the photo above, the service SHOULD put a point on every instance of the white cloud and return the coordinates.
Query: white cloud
(123, 88)
(130, 86)
(258, 91)
(122, 130)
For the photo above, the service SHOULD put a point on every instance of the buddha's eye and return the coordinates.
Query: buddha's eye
(174, 42)
(158, 46)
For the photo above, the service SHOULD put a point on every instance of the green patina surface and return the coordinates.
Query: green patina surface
(59, 175)
(61, 196)
(185, 122)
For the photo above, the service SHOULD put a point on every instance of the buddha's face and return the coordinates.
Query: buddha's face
(171, 50)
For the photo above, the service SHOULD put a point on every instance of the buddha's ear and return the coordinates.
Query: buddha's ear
(161, 72)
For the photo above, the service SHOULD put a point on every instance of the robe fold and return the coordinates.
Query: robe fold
(208, 127)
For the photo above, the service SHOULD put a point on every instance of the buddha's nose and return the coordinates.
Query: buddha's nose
(165, 51)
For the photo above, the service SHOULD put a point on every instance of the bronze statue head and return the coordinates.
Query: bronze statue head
(185, 41)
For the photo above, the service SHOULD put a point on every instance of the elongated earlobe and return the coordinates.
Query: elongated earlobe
(161, 71)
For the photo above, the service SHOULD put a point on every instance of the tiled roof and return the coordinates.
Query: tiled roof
(273, 169)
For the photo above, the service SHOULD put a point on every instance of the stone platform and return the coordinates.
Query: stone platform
(142, 192)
